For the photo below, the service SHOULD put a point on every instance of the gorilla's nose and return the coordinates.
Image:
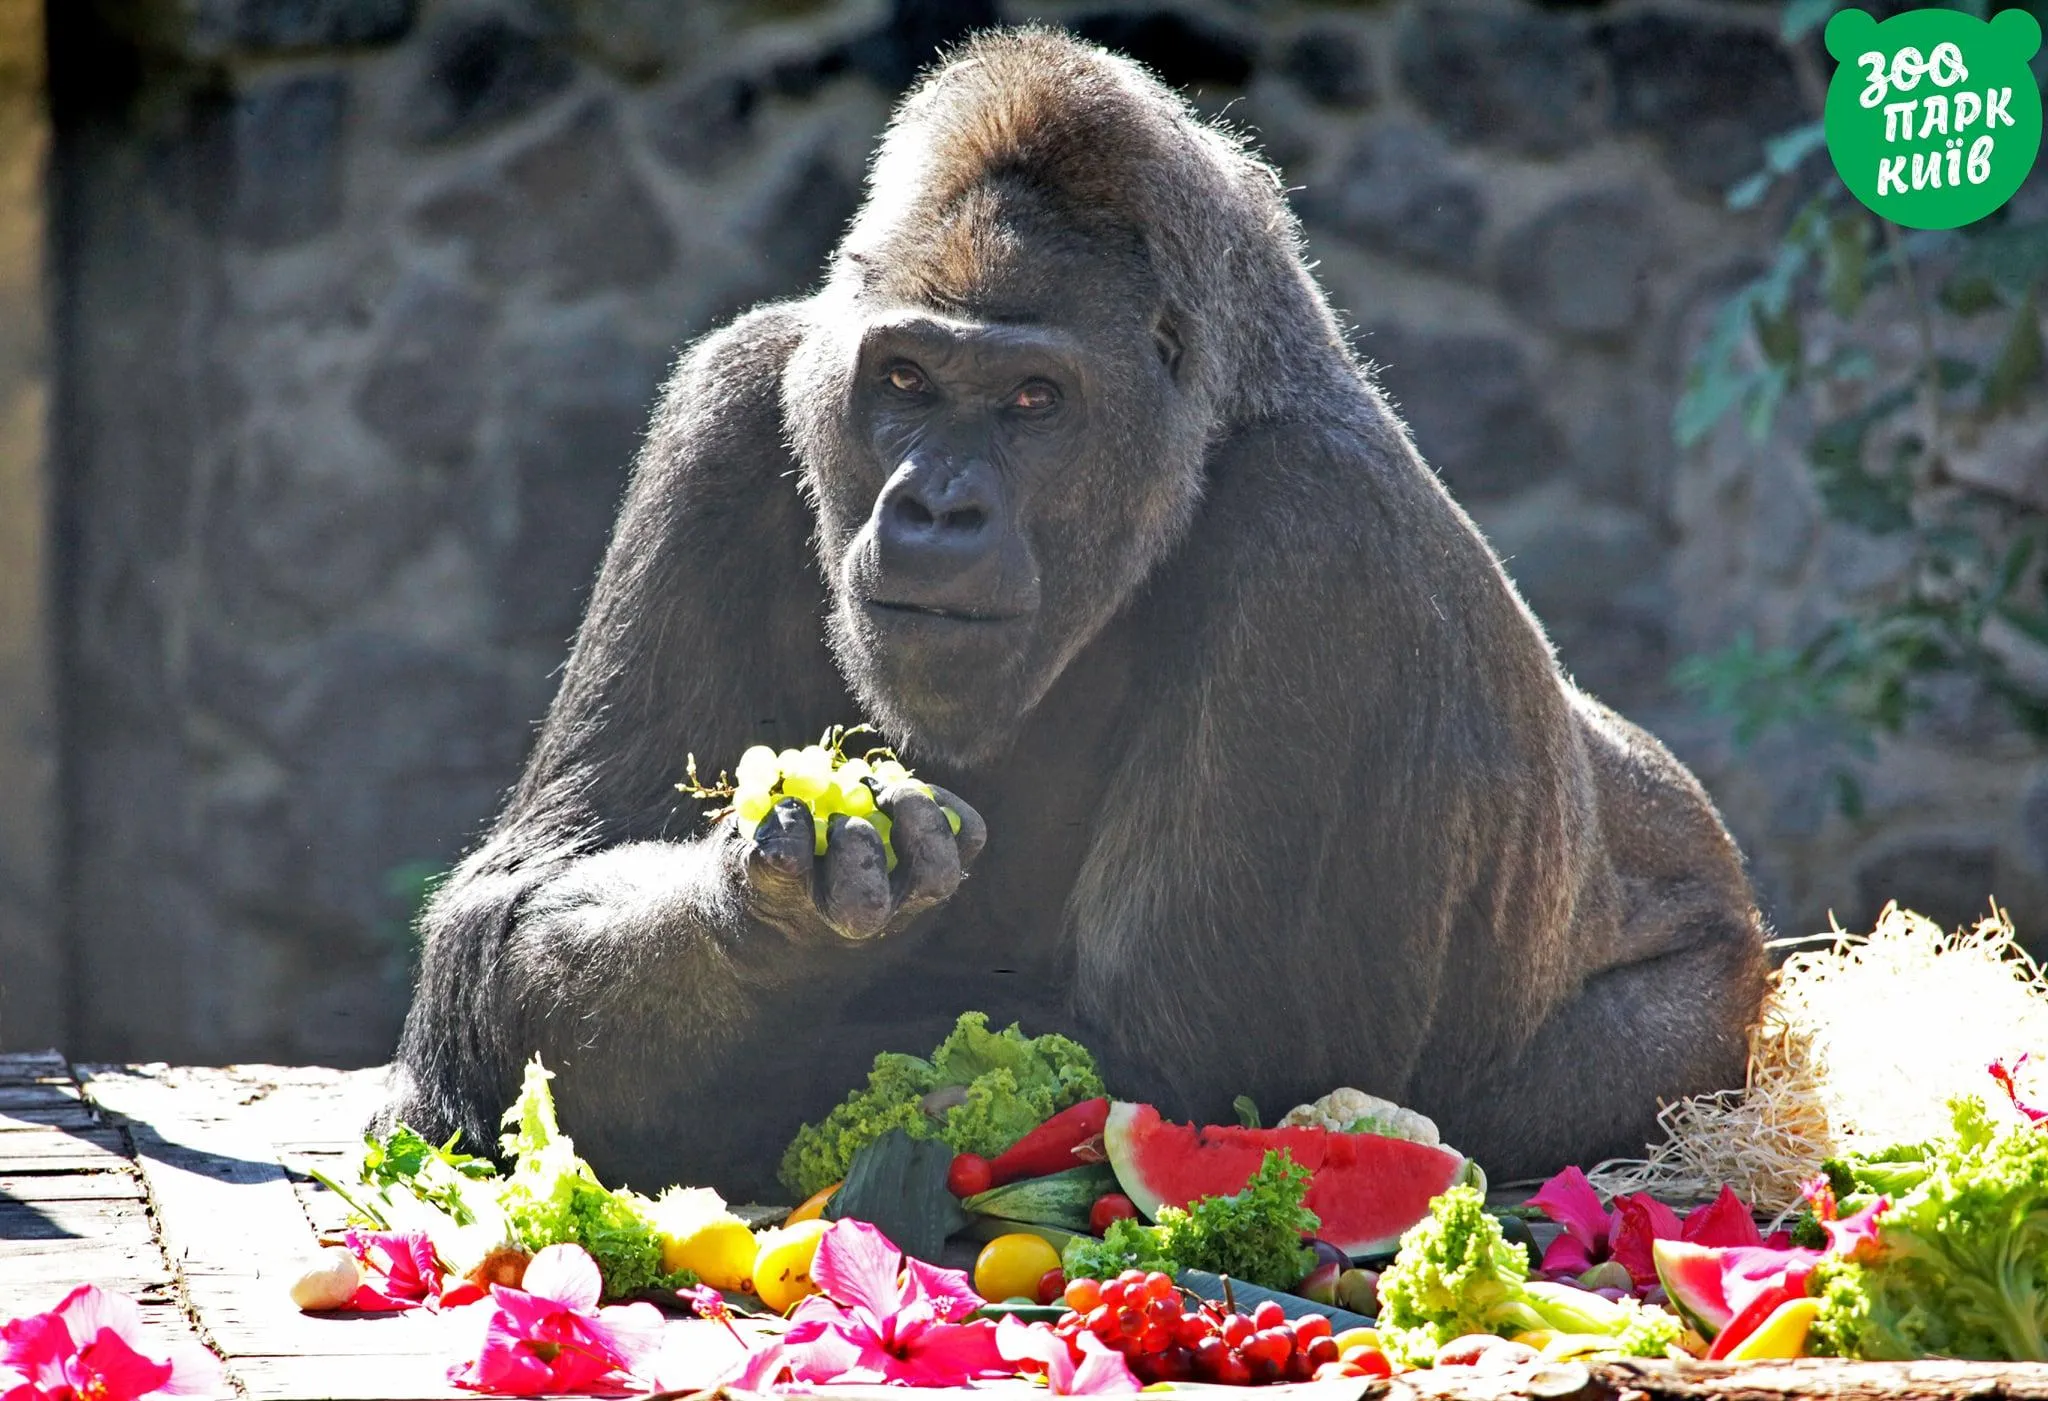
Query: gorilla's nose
(936, 523)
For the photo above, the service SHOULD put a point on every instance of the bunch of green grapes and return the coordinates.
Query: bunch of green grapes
(822, 778)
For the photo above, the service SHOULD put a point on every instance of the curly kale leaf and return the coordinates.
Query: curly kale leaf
(1961, 1265)
(1009, 1084)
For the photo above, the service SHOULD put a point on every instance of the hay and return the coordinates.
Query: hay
(1861, 1044)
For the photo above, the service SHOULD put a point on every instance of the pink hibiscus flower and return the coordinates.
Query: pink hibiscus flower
(1090, 1368)
(2004, 1075)
(879, 1317)
(550, 1336)
(1593, 1234)
(400, 1271)
(90, 1348)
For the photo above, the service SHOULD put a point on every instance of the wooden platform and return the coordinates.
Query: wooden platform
(184, 1188)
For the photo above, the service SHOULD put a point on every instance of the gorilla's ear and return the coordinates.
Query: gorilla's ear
(1166, 338)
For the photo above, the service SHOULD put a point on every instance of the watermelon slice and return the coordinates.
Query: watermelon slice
(1691, 1276)
(1726, 1292)
(1366, 1189)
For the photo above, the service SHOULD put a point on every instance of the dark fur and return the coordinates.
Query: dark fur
(1284, 789)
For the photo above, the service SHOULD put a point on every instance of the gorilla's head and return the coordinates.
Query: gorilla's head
(1003, 404)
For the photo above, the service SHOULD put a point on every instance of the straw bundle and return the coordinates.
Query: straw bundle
(1861, 1044)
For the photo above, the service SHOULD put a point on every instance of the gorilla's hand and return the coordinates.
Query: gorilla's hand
(849, 892)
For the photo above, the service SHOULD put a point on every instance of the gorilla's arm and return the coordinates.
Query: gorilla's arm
(593, 927)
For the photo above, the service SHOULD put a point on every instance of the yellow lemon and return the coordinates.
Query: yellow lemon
(1013, 1264)
(782, 1270)
(1357, 1340)
(721, 1253)
(813, 1208)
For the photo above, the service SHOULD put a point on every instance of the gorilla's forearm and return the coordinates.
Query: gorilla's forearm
(607, 964)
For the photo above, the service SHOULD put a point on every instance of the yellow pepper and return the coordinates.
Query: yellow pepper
(1783, 1334)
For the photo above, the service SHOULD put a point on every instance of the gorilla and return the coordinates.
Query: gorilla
(1067, 480)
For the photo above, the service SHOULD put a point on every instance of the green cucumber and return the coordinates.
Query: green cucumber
(1062, 1199)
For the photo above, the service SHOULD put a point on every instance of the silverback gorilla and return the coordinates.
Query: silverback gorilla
(1067, 479)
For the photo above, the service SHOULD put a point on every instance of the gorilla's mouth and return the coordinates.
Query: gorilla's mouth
(951, 615)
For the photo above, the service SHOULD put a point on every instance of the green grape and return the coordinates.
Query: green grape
(758, 769)
(952, 820)
(752, 804)
(883, 825)
(807, 784)
(888, 772)
(856, 799)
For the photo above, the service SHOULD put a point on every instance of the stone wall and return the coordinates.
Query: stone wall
(366, 301)
(33, 1004)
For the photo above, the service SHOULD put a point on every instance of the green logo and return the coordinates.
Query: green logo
(1933, 117)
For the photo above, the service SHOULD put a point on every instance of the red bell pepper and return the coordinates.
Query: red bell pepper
(1061, 1142)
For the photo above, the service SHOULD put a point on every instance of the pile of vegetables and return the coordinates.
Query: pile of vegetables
(979, 1092)
(474, 1216)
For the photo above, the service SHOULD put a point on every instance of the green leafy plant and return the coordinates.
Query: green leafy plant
(1880, 454)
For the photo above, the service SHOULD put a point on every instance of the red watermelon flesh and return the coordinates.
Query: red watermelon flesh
(1366, 1189)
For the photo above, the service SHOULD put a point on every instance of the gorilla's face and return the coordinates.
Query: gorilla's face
(1006, 474)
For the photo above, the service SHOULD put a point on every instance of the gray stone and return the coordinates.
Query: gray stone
(1949, 879)
(286, 171)
(481, 65)
(1581, 267)
(703, 129)
(1331, 65)
(1708, 94)
(304, 520)
(1569, 556)
(566, 212)
(424, 390)
(576, 412)
(273, 26)
(1186, 50)
(1505, 78)
(1396, 193)
(797, 226)
(1472, 406)
(2034, 822)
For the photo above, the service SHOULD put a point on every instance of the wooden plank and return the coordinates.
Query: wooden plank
(353, 1378)
(23, 1067)
(125, 1185)
(72, 1218)
(47, 1116)
(46, 1095)
(43, 1150)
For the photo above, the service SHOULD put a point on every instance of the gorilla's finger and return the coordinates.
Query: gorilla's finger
(781, 855)
(927, 859)
(853, 879)
(973, 833)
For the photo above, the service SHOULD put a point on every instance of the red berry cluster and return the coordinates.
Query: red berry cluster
(1165, 1337)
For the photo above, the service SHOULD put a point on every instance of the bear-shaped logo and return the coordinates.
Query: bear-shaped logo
(1933, 117)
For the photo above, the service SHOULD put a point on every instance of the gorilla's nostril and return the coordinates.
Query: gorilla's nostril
(912, 512)
(967, 518)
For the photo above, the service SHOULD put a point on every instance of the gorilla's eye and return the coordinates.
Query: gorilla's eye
(1035, 397)
(906, 378)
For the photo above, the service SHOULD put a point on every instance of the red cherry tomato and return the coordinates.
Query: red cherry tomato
(1111, 1206)
(968, 1176)
(1051, 1285)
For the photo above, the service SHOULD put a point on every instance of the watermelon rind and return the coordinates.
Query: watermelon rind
(1691, 1276)
(1366, 1188)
